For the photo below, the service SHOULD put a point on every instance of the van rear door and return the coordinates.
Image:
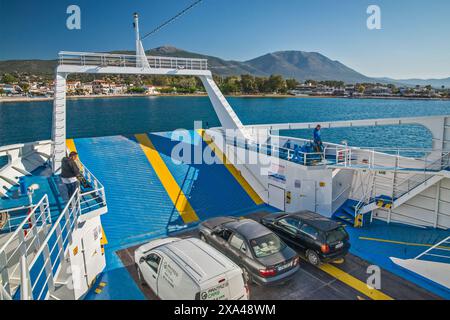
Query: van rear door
(216, 289)
(238, 288)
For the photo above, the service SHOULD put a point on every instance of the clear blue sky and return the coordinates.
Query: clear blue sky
(413, 42)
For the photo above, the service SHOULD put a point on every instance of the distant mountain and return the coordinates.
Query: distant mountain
(436, 83)
(29, 66)
(290, 64)
(305, 65)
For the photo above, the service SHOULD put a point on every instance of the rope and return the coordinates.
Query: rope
(171, 19)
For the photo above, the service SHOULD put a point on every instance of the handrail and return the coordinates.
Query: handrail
(435, 247)
(24, 247)
(342, 192)
(272, 149)
(70, 214)
(127, 60)
(422, 174)
(25, 221)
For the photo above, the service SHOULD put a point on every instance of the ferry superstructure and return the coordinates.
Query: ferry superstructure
(395, 203)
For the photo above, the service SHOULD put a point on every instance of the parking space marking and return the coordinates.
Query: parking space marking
(403, 243)
(354, 282)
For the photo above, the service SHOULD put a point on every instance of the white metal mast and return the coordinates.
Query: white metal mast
(141, 59)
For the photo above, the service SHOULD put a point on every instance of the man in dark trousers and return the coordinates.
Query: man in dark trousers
(70, 173)
(317, 139)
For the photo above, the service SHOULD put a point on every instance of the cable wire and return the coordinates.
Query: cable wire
(171, 19)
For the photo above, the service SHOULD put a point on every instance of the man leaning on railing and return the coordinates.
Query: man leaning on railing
(70, 173)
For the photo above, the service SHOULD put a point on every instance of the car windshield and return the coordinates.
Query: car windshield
(335, 235)
(266, 245)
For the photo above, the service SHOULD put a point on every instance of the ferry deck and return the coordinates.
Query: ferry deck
(149, 196)
(394, 205)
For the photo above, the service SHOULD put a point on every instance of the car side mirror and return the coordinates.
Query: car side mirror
(142, 260)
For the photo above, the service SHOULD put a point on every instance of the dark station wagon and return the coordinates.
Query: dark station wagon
(321, 239)
(264, 258)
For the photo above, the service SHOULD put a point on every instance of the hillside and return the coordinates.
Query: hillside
(290, 64)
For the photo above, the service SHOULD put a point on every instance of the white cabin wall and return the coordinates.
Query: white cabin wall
(430, 208)
(293, 173)
(342, 186)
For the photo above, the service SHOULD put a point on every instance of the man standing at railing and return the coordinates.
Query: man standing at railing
(70, 173)
(318, 146)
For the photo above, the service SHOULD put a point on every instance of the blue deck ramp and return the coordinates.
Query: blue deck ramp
(210, 188)
(379, 241)
(138, 205)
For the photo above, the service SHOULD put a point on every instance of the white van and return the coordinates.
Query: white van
(189, 269)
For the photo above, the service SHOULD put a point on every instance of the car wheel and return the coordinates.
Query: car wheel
(203, 238)
(312, 257)
(140, 277)
(247, 276)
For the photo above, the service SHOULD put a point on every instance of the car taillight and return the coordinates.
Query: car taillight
(247, 291)
(325, 248)
(267, 272)
(296, 261)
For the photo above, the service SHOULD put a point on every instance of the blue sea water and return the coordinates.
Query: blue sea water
(31, 121)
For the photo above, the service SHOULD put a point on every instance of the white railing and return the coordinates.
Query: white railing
(438, 251)
(51, 255)
(408, 184)
(92, 199)
(45, 244)
(402, 187)
(297, 156)
(125, 60)
(22, 243)
(406, 159)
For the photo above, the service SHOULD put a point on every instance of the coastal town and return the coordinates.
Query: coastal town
(30, 86)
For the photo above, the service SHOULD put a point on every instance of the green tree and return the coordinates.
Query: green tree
(248, 84)
(276, 84)
(260, 84)
(230, 85)
(291, 84)
(8, 78)
(311, 82)
(136, 90)
(25, 86)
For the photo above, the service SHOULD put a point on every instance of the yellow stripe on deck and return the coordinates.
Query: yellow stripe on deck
(354, 283)
(103, 239)
(70, 144)
(404, 243)
(235, 172)
(174, 191)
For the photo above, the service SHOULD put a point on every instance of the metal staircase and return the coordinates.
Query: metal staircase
(379, 191)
